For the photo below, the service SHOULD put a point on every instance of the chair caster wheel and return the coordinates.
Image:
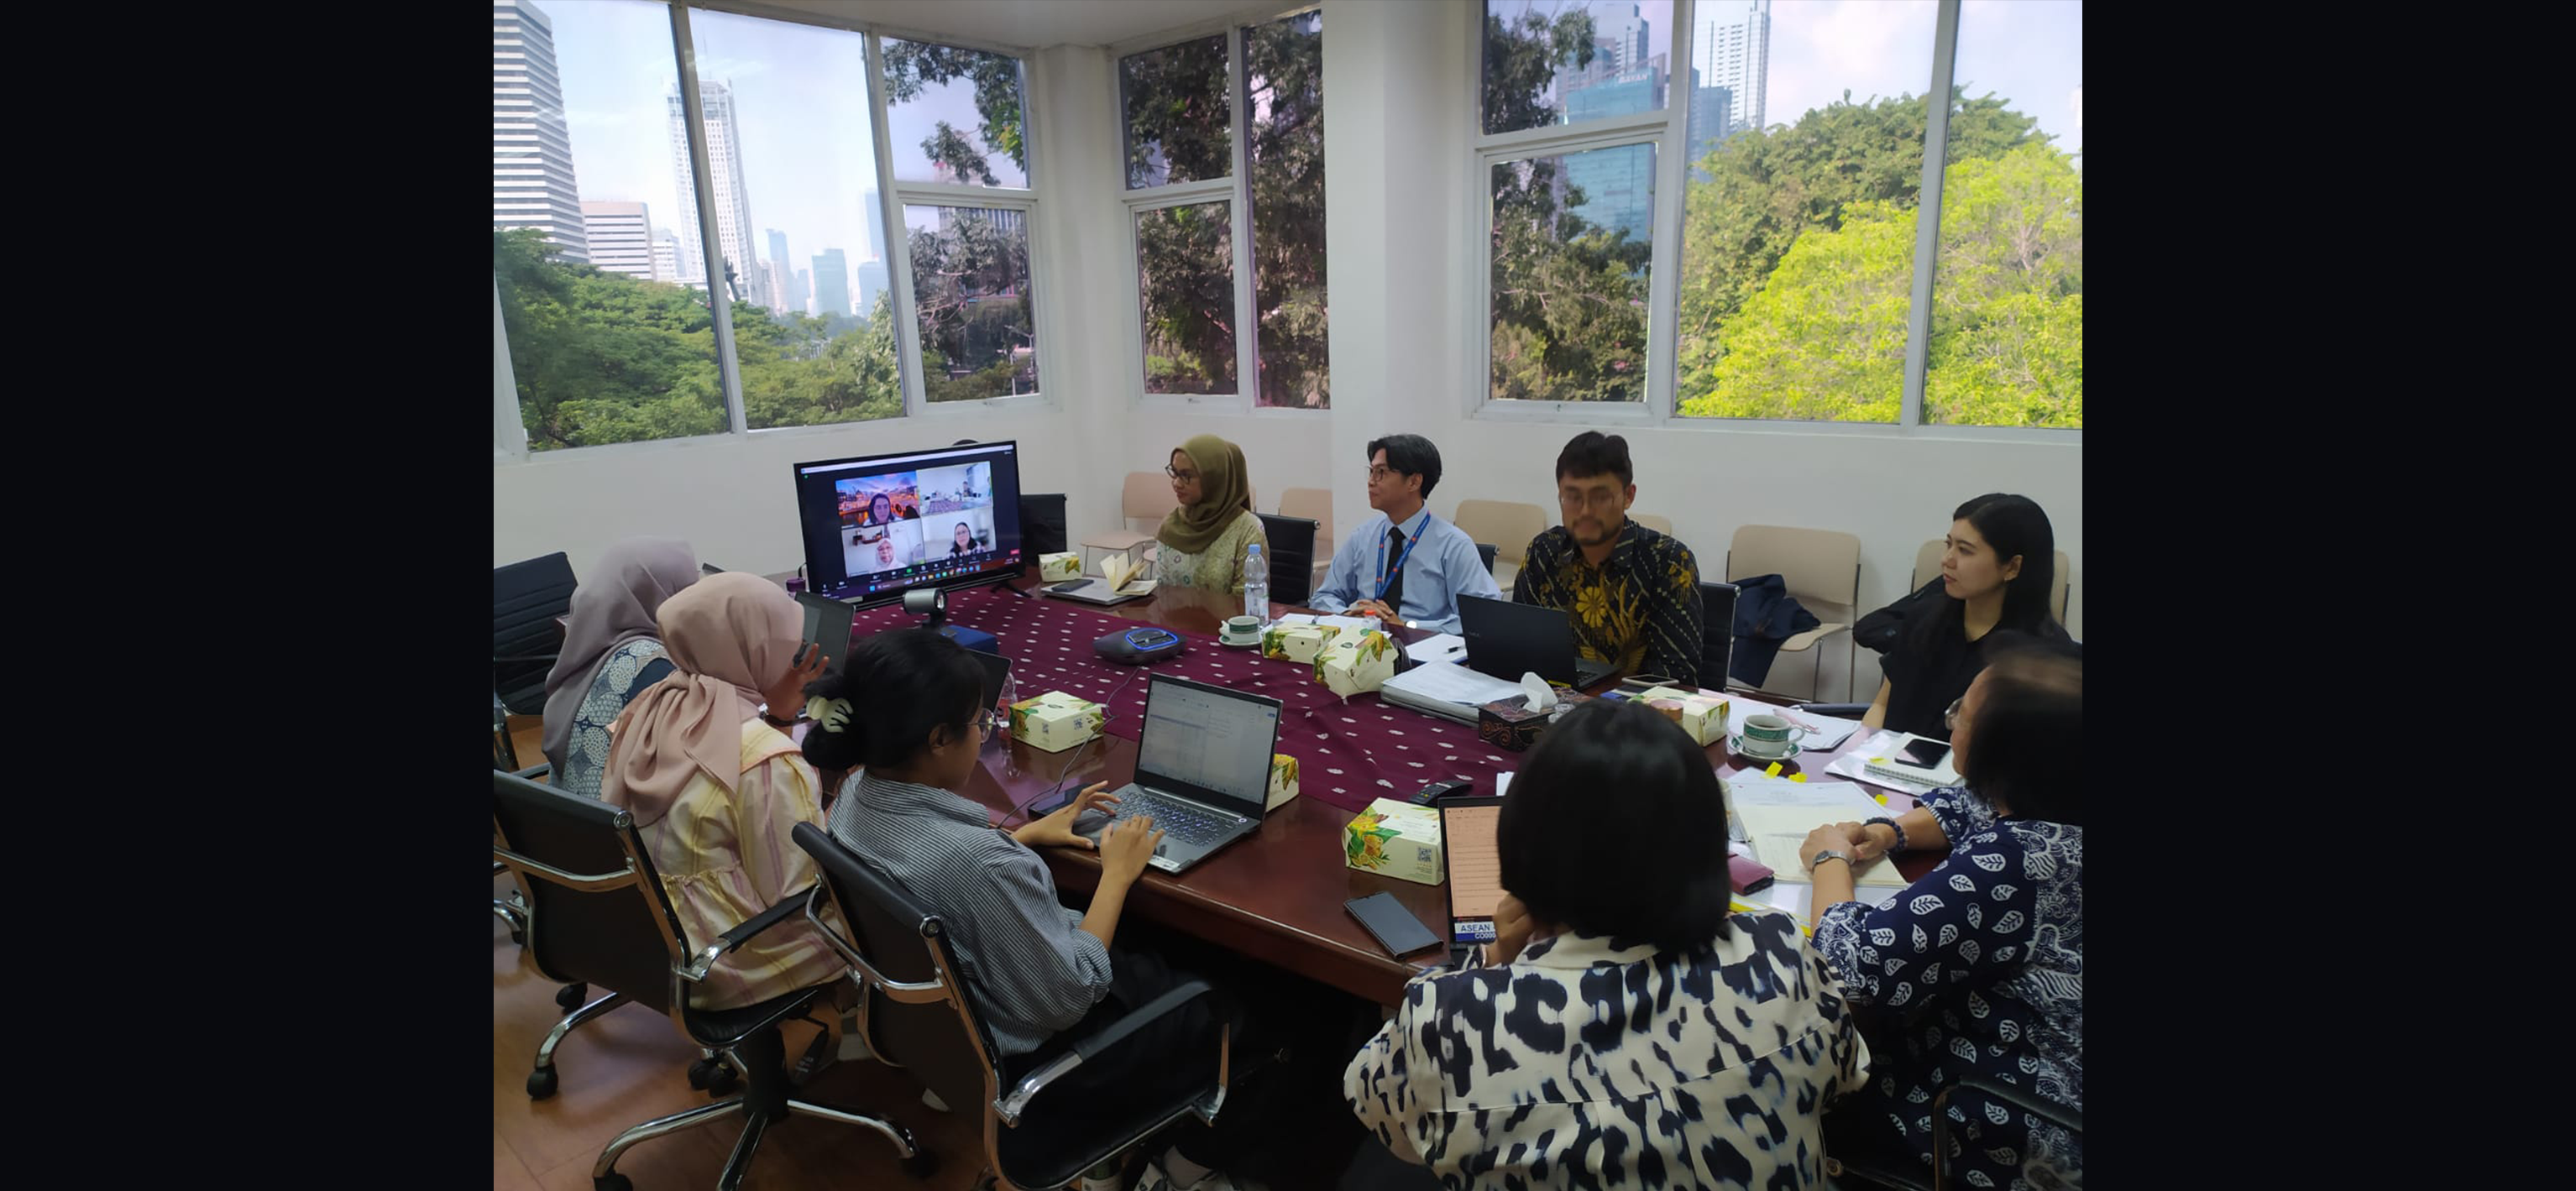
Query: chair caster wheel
(519, 936)
(612, 1181)
(541, 1083)
(722, 1081)
(571, 997)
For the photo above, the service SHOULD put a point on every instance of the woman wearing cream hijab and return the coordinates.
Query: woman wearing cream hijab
(1203, 541)
(715, 785)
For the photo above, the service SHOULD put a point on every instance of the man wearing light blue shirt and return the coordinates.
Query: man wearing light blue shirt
(1404, 566)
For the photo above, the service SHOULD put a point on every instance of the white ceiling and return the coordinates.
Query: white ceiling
(1031, 23)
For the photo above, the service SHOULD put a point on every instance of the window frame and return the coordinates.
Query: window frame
(1235, 188)
(1667, 129)
(509, 439)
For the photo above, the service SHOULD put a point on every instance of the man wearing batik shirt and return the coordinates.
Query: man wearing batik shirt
(1632, 593)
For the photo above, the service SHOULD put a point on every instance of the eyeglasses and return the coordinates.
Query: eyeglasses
(1575, 498)
(1377, 473)
(1950, 718)
(987, 723)
(1180, 475)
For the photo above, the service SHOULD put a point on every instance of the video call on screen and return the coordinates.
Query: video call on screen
(936, 517)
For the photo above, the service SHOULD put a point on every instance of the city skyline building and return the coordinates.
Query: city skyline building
(532, 175)
(666, 255)
(1736, 55)
(620, 237)
(732, 196)
(874, 216)
(873, 280)
(831, 284)
(780, 274)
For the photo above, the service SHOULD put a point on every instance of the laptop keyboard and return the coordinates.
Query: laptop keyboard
(1175, 819)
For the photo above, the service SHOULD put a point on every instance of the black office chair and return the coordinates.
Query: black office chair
(1909, 1177)
(1486, 552)
(1292, 557)
(601, 917)
(526, 599)
(514, 908)
(916, 1015)
(1717, 633)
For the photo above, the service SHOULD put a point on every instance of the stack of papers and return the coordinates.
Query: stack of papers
(1443, 647)
(1452, 684)
(1776, 816)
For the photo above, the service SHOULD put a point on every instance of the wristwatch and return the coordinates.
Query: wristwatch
(1825, 855)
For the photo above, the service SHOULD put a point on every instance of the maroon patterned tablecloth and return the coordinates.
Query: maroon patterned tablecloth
(1348, 752)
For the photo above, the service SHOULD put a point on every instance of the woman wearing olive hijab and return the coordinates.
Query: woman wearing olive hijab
(1203, 541)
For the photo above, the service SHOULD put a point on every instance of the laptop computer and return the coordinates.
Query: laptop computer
(997, 670)
(1508, 640)
(1202, 769)
(1469, 855)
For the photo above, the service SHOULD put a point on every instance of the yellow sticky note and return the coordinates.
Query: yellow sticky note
(1797, 777)
(1772, 770)
(1882, 799)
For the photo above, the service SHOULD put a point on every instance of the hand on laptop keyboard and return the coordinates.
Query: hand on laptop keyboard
(1182, 821)
(1127, 846)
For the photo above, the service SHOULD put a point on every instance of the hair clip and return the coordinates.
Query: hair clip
(832, 714)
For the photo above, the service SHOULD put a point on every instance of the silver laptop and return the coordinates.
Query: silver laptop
(1202, 769)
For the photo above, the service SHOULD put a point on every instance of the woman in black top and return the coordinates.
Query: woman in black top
(1997, 571)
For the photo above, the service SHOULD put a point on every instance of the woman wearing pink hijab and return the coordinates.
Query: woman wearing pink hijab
(715, 785)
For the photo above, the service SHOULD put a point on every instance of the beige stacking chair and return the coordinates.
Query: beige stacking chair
(1505, 525)
(1661, 525)
(1146, 498)
(1821, 569)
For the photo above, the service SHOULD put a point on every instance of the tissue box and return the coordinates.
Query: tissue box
(1356, 663)
(1508, 725)
(1283, 781)
(1703, 716)
(1056, 567)
(1299, 643)
(1395, 839)
(1055, 721)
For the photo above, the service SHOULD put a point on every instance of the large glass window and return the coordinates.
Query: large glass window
(1569, 237)
(1567, 61)
(611, 338)
(1798, 226)
(1283, 65)
(956, 115)
(1222, 133)
(2007, 344)
(1185, 267)
(792, 148)
(970, 294)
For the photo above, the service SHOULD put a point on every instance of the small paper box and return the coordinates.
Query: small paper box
(1356, 663)
(1299, 643)
(1508, 725)
(1395, 839)
(1283, 781)
(1055, 721)
(1054, 567)
(1703, 716)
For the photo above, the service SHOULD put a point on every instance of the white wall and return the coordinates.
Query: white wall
(1397, 95)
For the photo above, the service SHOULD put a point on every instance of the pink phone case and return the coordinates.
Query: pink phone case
(1750, 875)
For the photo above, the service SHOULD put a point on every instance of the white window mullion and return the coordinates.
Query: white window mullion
(1247, 312)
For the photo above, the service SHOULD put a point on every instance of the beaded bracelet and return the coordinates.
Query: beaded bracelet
(1899, 846)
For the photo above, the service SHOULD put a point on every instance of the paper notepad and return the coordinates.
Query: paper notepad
(1125, 575)
(1876, 762)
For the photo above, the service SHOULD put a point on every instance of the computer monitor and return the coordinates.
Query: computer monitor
(877, 526)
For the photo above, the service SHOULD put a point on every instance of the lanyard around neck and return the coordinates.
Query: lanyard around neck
(1387, 575)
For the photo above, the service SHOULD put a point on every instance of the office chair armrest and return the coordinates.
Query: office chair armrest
(2043, 1107)
(524, 657)
(1090, 1045)
(534, 772)
(705, 960)
(1849, 711)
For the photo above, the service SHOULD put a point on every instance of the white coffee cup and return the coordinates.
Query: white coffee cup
(1240, 630)
(1769, 736)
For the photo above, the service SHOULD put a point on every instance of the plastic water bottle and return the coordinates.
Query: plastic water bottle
(1010, 695)
(1256, 584)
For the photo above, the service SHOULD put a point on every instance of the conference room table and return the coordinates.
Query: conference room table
(1277, 895)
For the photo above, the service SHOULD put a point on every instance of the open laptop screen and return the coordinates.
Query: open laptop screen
(1207, 743)
(1475, 866)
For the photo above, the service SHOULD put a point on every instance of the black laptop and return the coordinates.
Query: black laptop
(1507, 640)
(1202, 769)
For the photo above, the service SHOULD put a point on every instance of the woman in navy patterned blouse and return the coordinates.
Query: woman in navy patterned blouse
(1980, 963)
